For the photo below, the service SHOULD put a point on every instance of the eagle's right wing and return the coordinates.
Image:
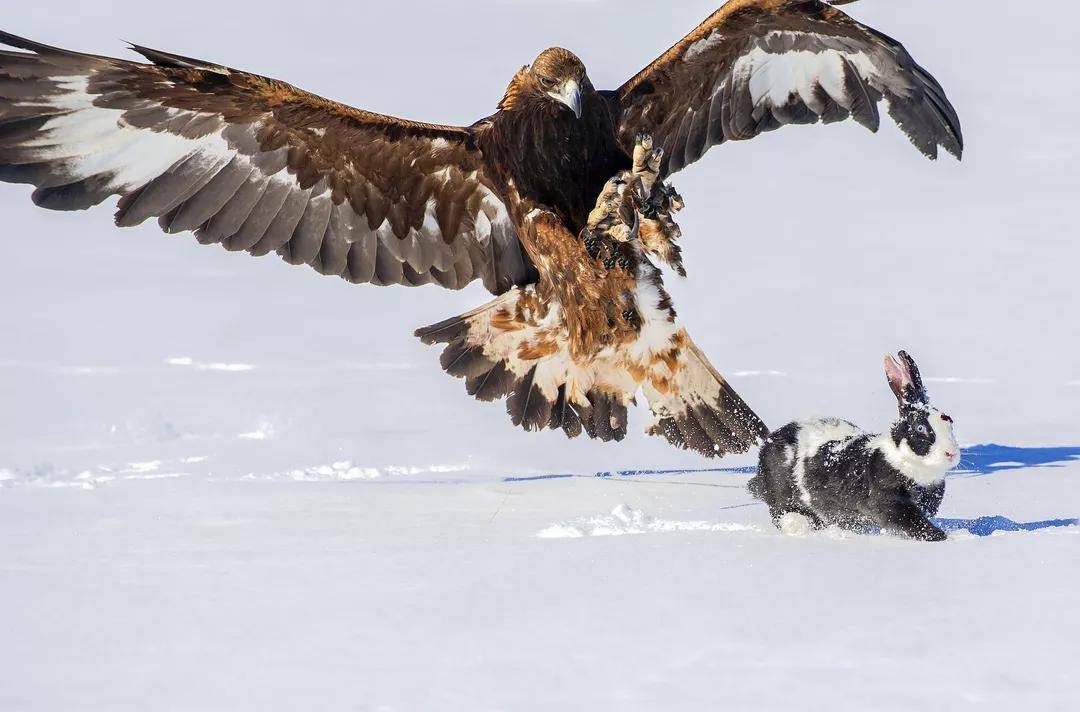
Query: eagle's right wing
(254, 164)
(757, 65)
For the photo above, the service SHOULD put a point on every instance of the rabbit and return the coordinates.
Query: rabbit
(828, 472)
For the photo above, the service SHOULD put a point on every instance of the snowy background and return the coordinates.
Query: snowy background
(231, 484)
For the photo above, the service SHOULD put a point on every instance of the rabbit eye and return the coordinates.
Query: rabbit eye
(921, 430)
(946, 418)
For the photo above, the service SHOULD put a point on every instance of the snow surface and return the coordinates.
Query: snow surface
(230, 484)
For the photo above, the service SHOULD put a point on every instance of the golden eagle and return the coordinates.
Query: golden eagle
(581, 323)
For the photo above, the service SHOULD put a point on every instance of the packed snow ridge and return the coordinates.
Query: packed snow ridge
(625, 520)
(188, 362)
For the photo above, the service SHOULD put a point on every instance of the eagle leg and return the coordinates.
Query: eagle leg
(636, 207)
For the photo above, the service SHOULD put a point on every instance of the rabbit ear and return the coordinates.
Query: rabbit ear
(899, 378)
(920, 395)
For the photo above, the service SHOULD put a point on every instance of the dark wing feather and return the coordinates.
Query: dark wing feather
(256, 165)
(757, 65)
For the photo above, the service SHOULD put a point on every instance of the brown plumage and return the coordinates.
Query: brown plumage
(521, 200)
(579, 369)
(708, 88)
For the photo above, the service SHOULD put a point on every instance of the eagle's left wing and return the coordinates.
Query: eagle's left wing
(256, 165)
(757, 65)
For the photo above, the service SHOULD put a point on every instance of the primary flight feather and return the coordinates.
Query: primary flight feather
(257, 165)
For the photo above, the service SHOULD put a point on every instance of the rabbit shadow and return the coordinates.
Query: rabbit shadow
(981, 460)
(989, 526)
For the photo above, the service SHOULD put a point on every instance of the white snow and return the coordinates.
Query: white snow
(370, 552)
(264, 431)
(188, 362)
(625, 520)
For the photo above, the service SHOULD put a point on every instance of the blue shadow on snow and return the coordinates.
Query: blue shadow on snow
(978, 460)
(988, 526)
(989, 459)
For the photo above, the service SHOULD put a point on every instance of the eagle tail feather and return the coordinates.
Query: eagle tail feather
(511, 349)
(516, 348)
(700, 411)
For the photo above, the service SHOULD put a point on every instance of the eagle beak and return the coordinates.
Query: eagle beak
(570, 95)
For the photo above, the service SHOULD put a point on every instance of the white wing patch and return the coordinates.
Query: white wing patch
(84, 141)
(92, 141)
(774, 78)
(736, 87)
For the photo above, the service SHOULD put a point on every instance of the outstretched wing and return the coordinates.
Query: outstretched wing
(757, 65)
(254, 164)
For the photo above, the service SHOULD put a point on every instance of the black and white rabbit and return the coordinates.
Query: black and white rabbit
(829, 472)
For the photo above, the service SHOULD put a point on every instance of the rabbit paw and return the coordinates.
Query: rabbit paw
(795, 524)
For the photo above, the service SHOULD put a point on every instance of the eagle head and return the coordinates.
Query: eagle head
(557, 75)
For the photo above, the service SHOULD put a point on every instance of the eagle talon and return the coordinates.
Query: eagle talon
(673, 202)
(649, 209)
(656, 159)
(593, 244)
